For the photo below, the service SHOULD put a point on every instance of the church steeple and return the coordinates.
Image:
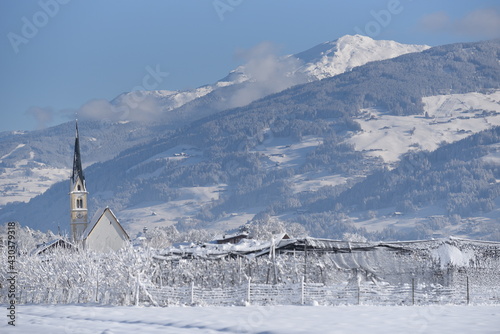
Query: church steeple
(77, 160)
(78, 195)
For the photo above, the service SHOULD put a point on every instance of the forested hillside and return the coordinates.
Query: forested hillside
(287, 156)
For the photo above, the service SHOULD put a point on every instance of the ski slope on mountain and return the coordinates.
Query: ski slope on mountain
(447, 319)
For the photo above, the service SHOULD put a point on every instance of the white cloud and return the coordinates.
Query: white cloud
(98, 109)
(135, 106)
(435, 22)
(482, 23)
(267, 72)
(43, 116)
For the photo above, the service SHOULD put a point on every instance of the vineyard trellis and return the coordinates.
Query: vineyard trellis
(270, 294)
(426, 272)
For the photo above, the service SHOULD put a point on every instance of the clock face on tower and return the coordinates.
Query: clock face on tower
(79, 215)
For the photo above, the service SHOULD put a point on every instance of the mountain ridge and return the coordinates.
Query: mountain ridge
(48, 165)
(249, 82)
(284, 152)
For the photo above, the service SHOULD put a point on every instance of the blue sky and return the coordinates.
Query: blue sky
(56, 55)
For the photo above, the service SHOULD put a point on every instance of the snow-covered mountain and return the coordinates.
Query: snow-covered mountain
(332, 58)
(29, 169)
(31, 162)
(266, 73)
(297, 155)
(450, 118)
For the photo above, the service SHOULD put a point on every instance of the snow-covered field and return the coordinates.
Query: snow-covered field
(449, 119)
(20, 183)
(153, 214)
(285, 152)
(255, 319)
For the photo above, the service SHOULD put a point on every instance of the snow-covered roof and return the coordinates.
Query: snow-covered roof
(227, 237)
(96, 215)
(449, 250)
(54, 243)
(246, 247)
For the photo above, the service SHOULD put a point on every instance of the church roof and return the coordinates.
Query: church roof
(91, 226)
(77, 161)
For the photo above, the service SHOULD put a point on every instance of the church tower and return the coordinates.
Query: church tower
(78, 195)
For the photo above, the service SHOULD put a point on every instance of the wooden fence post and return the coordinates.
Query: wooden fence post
(359, 293)
(302, 291)
(137, 291)
(239, 269)
(249, 262)
(305, 263)
(249, 290)
(97, 287)
(192, 292)
(468, 295)
(413, 291)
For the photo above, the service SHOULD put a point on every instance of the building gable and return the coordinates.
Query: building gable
(106, 234)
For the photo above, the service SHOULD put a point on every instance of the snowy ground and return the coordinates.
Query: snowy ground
(253, 319)
(449, 118)
(20, 184)
(285, 152)
(160, 214)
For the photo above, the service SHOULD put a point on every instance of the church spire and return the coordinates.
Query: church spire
(77, 160)
(78, 195)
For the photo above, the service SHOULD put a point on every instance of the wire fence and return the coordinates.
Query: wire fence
(320, 294)
(248, 293)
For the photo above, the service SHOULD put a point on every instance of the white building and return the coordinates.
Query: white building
(105, 234)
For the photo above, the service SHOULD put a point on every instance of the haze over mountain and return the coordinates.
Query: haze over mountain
(324, 153)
